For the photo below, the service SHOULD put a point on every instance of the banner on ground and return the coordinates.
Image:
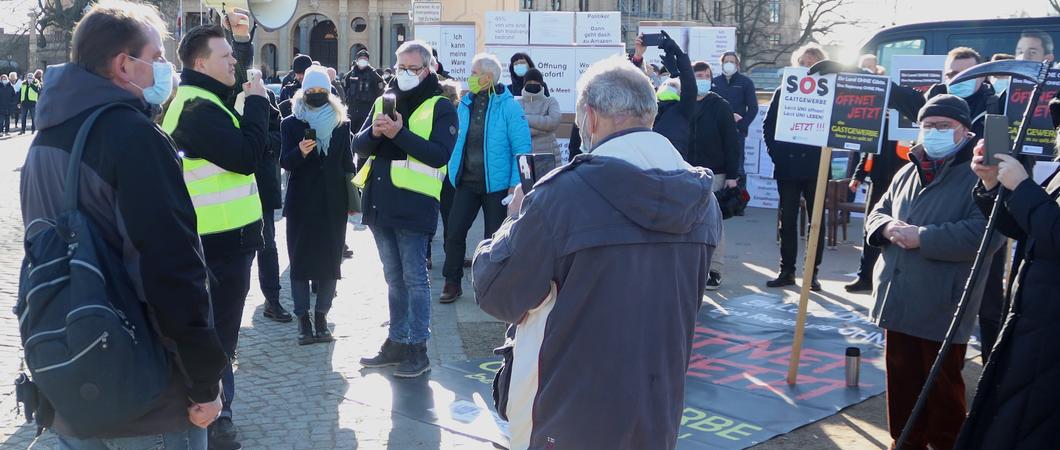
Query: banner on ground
(1041, 136)
(919, 72)
(843, 111)
(455, 43)
(736, 392)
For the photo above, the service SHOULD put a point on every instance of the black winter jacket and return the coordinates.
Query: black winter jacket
(791, 161)
(205, 131)
(268, 173)
(8, 99)
(362, 87)
(386, 205)
(715, 141)
(133, 191)
(674, 119)
(1015, 403)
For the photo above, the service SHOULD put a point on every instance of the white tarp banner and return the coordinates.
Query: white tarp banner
(552, 28)
(599, 28)
(507, 28)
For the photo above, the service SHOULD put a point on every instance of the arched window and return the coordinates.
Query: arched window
(268, 57)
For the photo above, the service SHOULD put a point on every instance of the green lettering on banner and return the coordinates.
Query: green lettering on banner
(715, 424)
(491, 366)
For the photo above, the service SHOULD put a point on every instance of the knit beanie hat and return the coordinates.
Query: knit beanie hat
(316, 77)
(947, 105)
(301, 63)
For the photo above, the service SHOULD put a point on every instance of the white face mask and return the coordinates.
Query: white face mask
(407, 82)
(362, 63)
(729, 68)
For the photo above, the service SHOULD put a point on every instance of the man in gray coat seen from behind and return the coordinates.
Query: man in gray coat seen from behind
(929, 228)
(616, 276)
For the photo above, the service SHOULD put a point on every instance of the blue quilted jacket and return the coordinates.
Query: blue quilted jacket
(507, 135)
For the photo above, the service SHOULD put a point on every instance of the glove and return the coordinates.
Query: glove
(669, 61)
(669, 45)
(828, 67)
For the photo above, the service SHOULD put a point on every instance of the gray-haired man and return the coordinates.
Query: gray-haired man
(617, 276)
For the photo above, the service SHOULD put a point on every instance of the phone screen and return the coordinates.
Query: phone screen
(996, 135)
(389, 104)
(652, 39)
(310, 134)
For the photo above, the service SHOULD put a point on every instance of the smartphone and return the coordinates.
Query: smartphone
(389, 103)
(253, 75)
(310, 134)
(997, 138)
(652, 39)
(533, 167)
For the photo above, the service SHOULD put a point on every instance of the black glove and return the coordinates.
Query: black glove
(828, 67)
(669, 61)
(669, 45)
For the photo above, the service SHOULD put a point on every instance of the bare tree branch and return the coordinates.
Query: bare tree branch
(1056, 5)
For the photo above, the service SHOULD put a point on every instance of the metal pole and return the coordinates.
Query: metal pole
(977, 266)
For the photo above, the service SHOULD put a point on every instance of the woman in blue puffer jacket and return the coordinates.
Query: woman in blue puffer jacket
(484, 167)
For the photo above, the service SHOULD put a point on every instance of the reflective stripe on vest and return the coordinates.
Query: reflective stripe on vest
(411, 174)
(667, 95)
(223, 200)
(27, 92)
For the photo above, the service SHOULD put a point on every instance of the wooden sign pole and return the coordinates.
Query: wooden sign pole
(816, 217)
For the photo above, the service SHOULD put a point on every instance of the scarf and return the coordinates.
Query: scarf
(322, 119)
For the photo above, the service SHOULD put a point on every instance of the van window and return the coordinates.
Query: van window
(987, 44)
(905, 47)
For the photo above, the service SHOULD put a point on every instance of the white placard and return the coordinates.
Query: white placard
(754, 144)
(559, 68)
(504, 54)
(599, 28)
(507, 28)
(805, 107)
(552, 28)
(900, 129)
(455, 44)
(429, 33)
(763, 192)
(426, 12)
(587, 56)
(710, 43)
(1043, 169)
(652, 55)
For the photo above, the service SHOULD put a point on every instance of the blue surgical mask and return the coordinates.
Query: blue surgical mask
(938, 144)
(520, 69)
(963, 89)
(702, 87)
(1001, 85)
(159, 92)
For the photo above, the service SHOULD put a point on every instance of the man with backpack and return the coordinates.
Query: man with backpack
(132, 192)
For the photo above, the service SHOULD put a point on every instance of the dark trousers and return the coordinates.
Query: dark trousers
(790, 193)
(466, 205)
(909, 360)
(269, 260)
(301, 295)
(448, 192)
(870, 254)
(5, 123)
(990, 313)
(228, 296)
(28, 110)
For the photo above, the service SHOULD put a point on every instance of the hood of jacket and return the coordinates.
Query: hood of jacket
(642, 176)
(70, 90)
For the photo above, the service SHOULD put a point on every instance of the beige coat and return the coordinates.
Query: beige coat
(543, 115)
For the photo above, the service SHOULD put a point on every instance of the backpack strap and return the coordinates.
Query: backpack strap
(73, 167)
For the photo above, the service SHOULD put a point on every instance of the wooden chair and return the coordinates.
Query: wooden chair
(837, 209)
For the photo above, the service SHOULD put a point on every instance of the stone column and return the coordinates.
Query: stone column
(31, 59)
(343, 25)
(283, 59)
(386, 47)
(374, 47)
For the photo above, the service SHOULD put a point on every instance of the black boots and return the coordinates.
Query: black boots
(306, 335)
(276, 313)
(221, 435)
(784, 279)
(390, 354)
(320, 320)
(859, 285)
(450, 293)
(415, 363)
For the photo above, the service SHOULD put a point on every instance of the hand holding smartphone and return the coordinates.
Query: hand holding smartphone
(997, 138)
(389, 105)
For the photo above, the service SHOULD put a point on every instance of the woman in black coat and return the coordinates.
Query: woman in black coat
(1015, 405)
(316, 205)
(519, 65)
(8, 102)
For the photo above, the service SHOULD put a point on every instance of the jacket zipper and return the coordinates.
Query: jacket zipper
(117, 313)
(100, 341)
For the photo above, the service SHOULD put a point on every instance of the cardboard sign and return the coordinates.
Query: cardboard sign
(599, 28)
(426, 12)
(455, 44)
(551, 28)
(1041, 136)
(843, 111)
(919, 72)
(588, 56)
(710, 43)
(559, 68)
(507, 28)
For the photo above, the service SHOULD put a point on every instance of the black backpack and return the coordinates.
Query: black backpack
(91, 352)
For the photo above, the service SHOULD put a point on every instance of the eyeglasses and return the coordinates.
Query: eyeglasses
(941, 126)
(400, 69)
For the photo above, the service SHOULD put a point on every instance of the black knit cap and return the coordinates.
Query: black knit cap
(947, 105)
(533, 75)
(363, 54)
(301, 63)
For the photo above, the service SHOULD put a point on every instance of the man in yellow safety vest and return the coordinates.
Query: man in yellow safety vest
(402, 179)
(27, 98)
(221, 151)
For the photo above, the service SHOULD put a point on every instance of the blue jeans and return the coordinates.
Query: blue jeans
(404, 257)
(300, 293)
(194, 438)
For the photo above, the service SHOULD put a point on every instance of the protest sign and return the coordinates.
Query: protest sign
(455, 43)
(919, 72)
(1041, 136)
(559, 67)
(843, 111)
(426, 12)
(507, 28)
(710, 43)
(599, 28)
(552, 28)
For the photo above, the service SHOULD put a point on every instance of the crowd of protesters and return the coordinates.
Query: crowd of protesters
(404, 148)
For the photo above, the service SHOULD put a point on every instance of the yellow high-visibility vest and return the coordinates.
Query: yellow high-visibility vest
(223, 200)
(411, 174)
(667, 95)
(27, 93)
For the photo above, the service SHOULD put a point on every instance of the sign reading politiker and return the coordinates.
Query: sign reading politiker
(843, 111)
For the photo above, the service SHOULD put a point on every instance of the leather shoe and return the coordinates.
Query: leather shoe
(450, 293)
(275, 312)
(815, 285)
(784, 279)
(859, 285)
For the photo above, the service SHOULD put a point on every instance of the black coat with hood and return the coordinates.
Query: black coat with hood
(1015, 405)
(8, 99)
(132, 189)
(715, 139)
(516, 88)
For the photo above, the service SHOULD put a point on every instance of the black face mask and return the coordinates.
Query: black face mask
(316, 99)
(533, 88)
